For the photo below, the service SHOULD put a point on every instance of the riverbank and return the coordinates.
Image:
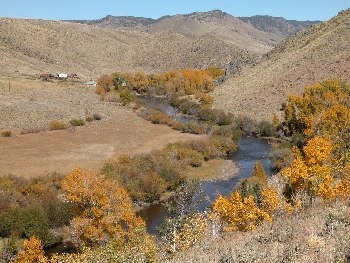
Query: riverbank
(238, 165)
(214, 170)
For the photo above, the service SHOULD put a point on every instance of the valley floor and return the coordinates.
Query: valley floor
(36, 154)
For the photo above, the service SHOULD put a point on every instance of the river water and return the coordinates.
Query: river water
(250, 149)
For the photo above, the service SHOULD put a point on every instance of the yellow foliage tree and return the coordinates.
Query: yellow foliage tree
(33, 252)
(322, 110)
(106, 210)
(238, 214)
(313, 171)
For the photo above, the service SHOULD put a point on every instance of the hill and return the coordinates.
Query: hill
(28, 47)
(277, 25)
(319, 53)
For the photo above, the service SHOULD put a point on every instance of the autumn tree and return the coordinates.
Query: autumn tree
(239, 214)
(311, 170)
(104, 83)
(33, 252)
(322, 110)
(254, 185)
(106, 210)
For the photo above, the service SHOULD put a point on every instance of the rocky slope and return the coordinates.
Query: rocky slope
(319, 53)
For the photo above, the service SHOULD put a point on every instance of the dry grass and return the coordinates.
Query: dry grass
(32, 104)
(27, 48)
(316, 234)
(58, 125)
(320, 53)
(215, 169)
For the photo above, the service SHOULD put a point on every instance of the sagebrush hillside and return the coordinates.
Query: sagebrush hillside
(277, 25)
(28, 47)
(314, 55)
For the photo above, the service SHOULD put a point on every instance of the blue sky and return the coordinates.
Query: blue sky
(88, 9)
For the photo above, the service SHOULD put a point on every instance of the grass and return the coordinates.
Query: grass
(315, 234)
(58, 125)
(6, 134)
(212, 170)
(32, 130)
(77, 122)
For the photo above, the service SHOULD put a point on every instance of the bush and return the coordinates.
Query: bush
(89, 119)
(189, 107)
(222, 118)
(223, 145)
(281, 156)
(126, 97)
(193, 127)
(205, 147)
(57, 125)
(77, 122)
(97, 116)
(111, 96)
(6, 134)
(265, 129)
(206, 114)
(32, 130)
(27, 222)
(245, 124)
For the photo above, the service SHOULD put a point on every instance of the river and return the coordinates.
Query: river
(250, 149)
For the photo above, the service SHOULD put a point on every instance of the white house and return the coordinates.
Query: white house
(62, 75)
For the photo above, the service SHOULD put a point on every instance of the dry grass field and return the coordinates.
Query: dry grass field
(33, 104)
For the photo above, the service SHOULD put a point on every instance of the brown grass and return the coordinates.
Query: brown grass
(307, 58)
(215, 169)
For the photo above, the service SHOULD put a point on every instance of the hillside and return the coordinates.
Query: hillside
(215, 24)
(277, 25)
(29, 47)
(319, 53)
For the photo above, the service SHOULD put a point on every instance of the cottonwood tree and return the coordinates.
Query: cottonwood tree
(106, 210)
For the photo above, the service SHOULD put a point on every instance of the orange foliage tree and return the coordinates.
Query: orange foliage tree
(322, 110)
(239, 214)
(33, 252)
(312, 170)
(106, 210)
(322, 115)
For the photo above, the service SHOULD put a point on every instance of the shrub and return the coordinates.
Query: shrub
(97, 116)
(265, 128)
(77, 122)
(206, 114)
(57, 125)
(89, 119)
(193, 127)
(126, 97)
(223, 145)
(205, 147)
(246, 124)
(27, 222)
(32, 130)
(189, 107)
(281, 156)
(6, 134)
(222, 118)
(105, 82)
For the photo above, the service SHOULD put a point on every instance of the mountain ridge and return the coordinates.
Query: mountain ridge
(319, 53)
(265, 23)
